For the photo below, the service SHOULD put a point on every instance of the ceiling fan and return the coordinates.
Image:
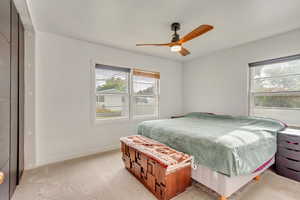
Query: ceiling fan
(176, 42)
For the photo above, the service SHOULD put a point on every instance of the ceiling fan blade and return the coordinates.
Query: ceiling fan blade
(196, 32)
(166, 44)
(184, 52)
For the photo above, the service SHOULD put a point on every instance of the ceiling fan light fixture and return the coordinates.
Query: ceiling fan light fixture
(176, 48)
(176, 42)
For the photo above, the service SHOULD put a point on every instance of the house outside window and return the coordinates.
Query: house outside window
(275, 89)
(123, 93)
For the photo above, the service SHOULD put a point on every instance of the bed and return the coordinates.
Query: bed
(227, 151)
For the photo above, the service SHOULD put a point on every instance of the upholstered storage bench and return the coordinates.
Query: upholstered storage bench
(164, 171)
(288, 154)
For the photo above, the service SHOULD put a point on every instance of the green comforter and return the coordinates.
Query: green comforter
(230, 145)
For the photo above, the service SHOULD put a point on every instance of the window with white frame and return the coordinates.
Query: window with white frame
(145, 93)
(112, 92)
(275, 85)
(124, 93)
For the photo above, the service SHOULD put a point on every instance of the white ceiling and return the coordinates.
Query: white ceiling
(123, 23)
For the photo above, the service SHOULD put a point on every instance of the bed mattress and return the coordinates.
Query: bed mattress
(229, 145)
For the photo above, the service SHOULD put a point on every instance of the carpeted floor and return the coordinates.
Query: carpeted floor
(102, 176)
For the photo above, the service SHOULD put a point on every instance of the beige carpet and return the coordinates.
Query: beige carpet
(102, 176)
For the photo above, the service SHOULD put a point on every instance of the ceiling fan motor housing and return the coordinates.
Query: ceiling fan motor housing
(175, 37)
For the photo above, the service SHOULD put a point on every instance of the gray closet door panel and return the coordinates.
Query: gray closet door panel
(11, 97)
(4, 69)
(4, 100)
(4, 96)
(14, 98)
(4, 187)
(5, 19)
(4, 132)
(21, 100)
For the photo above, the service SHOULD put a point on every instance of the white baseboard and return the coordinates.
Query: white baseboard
(67, 156)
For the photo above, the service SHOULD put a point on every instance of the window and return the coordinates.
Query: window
(145, 93)
(125, 93)
(112, 93)
(275, 85)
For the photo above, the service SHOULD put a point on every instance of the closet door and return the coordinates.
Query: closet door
(14, 98)
(21, 101)
(5, 19)
(4, 98)
(4, 117)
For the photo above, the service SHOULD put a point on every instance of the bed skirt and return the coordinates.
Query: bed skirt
(221, 184)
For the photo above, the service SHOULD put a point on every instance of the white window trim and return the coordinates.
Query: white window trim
(271, 111)
(93, 118)
(156, 96)
(130, 116)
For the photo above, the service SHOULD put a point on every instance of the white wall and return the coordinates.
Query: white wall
(215, 83)
(219, 82)
(63, 125)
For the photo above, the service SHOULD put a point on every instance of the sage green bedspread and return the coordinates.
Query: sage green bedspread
(230, 145)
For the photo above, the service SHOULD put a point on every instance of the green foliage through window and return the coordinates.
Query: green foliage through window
(277, 101)
(113, 83)
(276, 85)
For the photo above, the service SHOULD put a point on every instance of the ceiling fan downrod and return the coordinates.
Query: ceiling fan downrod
(175, 27)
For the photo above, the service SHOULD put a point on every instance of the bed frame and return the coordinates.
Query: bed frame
(223, 185)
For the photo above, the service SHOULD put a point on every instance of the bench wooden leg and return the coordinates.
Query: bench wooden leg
(256, 178)
(222, 198)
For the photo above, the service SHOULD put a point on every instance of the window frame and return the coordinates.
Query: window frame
(156, 96)
(130, 116)
(251, 95)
